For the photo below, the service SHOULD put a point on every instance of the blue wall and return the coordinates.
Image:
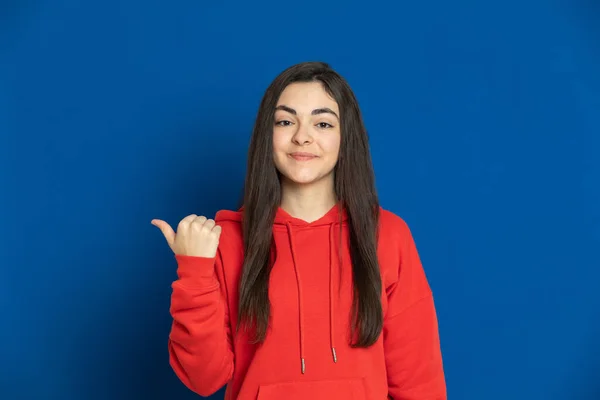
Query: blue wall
(485, 129)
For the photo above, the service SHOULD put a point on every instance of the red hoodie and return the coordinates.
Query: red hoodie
(306, 354)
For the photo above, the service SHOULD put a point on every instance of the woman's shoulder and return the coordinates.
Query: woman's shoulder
(395, 239)
(231, 218)
(392, 225)
(231, 240)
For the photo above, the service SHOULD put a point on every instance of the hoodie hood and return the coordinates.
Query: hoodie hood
(289, 226)
(335, 215)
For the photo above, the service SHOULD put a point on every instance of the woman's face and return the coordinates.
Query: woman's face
(306, 133)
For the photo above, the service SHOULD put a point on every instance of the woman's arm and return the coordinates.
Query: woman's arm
(411, 338)
(200, 342)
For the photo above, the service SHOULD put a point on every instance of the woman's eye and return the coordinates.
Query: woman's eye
(324, 125)
(283, 123)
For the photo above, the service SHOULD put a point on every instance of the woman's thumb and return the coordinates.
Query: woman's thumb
(166, 229)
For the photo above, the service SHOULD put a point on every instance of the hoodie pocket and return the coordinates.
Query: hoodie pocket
(347, 389)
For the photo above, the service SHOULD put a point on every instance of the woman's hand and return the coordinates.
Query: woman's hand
(196, 236)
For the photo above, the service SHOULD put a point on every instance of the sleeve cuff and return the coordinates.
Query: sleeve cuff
(195, 270)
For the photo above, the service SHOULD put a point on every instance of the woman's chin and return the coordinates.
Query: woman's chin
(301, 181)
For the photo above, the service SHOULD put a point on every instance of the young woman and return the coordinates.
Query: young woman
(311, 290)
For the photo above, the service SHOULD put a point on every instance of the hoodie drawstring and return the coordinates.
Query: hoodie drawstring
(331, 324)
(300, 302)
(301, 322)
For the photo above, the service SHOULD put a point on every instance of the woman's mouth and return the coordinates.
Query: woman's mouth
(299, 156)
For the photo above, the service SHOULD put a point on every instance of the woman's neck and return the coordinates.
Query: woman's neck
(308, 202)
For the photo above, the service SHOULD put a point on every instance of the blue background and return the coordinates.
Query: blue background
(485, 129)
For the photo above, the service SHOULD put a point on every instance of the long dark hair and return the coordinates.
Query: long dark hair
(355, 191)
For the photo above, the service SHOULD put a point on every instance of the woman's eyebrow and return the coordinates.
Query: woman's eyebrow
(323, 110)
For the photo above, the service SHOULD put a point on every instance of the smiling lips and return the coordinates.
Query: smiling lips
(299, 156)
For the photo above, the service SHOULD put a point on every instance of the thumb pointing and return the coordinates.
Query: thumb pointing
(165, 229)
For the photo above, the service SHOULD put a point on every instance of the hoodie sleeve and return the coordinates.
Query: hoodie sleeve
(411, 338)
(200, 344)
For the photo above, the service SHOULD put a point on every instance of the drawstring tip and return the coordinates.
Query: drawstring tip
(334, 354)
(303, 365)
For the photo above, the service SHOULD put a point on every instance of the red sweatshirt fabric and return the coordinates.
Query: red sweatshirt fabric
(306, 354)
